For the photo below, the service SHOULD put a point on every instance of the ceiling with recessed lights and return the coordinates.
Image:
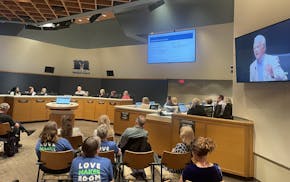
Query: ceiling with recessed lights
(37, 11)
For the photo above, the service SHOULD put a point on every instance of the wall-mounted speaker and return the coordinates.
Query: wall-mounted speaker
(49, 69)
(110, 73)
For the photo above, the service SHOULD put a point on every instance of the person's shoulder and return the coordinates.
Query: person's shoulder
(103, 160)
(271, 58)
(253, 64)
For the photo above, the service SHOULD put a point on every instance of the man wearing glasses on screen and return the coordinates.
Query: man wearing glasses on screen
(266, 67)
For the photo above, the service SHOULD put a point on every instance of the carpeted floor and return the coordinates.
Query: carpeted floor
(23, 166)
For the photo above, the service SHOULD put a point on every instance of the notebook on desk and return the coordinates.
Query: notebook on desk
(63, 100)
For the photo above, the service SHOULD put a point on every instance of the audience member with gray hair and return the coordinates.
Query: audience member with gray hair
(16, 127)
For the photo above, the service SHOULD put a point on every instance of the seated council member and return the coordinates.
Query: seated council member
(200, 169)
(31, 91)
(15, 91)
(49, 141)
(89, 166)
(196, 108)
(80, 92)
(43, 91)
(126, 95)
(145, 103)
(113, 94)
(103, 93)
(265, 67)
(227, 114)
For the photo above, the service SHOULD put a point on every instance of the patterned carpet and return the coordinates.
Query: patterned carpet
(23, 166)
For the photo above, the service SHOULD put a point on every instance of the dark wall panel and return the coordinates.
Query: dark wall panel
(22, 80)
(68, 85)
(156, 90)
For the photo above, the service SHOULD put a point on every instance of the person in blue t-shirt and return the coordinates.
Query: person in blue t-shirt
(49, 141)
(91, 167)
(200, 169)
(102, 132)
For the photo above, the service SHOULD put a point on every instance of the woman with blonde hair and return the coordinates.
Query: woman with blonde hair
(104, 119)
(49, 141)
(200, 169)
(187, 138)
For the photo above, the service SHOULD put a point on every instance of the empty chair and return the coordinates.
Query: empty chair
(57, 163)
(75, 141)
(137, 161)
(172, 161)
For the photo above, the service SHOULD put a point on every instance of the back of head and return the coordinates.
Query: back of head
(195, 101)
(140, 120)
(49, 132)
(202, 146)
(221, 97)
(4, 107)
(228, 100)
(91, 146)
(187, 135)
(102, 131)
(174, 101)
(145, 100)
(104, 119)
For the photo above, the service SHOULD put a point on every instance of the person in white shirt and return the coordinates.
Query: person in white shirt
(80, 92)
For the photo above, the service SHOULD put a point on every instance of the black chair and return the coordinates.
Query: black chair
(137, 145)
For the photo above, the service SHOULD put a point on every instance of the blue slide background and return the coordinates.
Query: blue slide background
(172, 47)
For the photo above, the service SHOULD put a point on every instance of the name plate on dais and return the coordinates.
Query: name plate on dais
(125, 115)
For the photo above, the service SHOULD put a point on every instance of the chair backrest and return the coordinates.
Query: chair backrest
(4, 128)
(56, 160)
(137, 145)
(138, 160)
(175, 160)
(110, 138)
(75, 141)
(108, 154)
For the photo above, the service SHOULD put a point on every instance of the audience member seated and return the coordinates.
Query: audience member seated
(102, 132)
(91, 167)
(80, 92)
(126, 95)
(16, 127)
(200, 169)
(114, 94)
(31, 91)
(15, 91)
(208, 101)
(227, 114)
(49, 141)
(67, 129)
(196, 108)
(171, 101)
(135, 138)
(104, 119)
(103, 93)
(187, 138)
(43, 91)
(219, 107)
(145, 103)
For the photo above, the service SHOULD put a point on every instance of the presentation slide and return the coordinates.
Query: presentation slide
(174, 47)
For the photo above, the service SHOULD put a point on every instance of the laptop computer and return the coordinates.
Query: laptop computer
(63, 100)
(182, 108)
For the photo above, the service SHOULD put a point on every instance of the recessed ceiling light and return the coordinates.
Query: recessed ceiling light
(104, 15)
(48, 25)
(80, 20)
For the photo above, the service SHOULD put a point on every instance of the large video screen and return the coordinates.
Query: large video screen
(264, 55)
(174, 47)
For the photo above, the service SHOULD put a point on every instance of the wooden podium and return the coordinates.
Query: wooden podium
(60, 111)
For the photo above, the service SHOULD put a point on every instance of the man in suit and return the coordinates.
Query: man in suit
(265, 67)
